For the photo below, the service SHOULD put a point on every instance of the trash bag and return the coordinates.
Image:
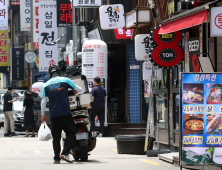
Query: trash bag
(44, 133)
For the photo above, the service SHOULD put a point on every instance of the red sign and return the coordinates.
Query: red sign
(166, 52)
(36, 24)
(123, 34)
(218, 21)
(64, 13)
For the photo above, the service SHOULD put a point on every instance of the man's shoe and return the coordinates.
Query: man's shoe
(7, 135)
(56, 162)
(66, 158)
(100, 135)
(14, 134)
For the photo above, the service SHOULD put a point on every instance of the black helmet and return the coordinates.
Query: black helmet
(53, 69)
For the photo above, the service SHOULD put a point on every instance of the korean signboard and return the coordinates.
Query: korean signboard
(87, 3)
(172, 7)
(14, 4)
(25, 15)
(4, 49)
(147, 71)
(48, 51)
(166, 51)
(131, 19)
(64, 13)
(3, 14)
(94, 64)
(111, 16)
(216, 21)
(142, 48)
(35, 23)
(194, 49)
(123, 34)
(201, 120)
(18, 70)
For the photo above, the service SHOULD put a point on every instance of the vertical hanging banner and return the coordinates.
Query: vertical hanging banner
(18, 60)
(94, 64)
(14, 4)
(112, 16)
(4, 50)
(3, 14)
(35, 23)
(48, 51)
(194, 49)
(25, 15)
(64, 13)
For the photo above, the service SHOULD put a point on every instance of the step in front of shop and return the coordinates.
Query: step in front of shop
(126, 129)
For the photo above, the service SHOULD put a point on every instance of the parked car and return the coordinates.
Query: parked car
(17, 109)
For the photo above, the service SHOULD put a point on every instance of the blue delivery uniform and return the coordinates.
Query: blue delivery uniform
(56, 89)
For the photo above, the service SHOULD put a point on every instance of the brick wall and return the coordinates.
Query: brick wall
(133, 85)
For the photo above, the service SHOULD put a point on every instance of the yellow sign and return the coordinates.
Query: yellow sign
(4, 50)
(37, 61)
(171, 8)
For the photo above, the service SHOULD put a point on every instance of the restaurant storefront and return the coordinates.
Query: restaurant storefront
(196, 42)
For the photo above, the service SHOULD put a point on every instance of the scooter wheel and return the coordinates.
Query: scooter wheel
(83, 154)
(76, 157)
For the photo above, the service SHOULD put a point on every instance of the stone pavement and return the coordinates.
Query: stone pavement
(19, 153)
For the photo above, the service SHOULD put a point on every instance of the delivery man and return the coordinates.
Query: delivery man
(56, 89)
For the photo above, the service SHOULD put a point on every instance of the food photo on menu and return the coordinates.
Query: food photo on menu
(214, 124)
(193, 123)
(193, 93)
(214, 95)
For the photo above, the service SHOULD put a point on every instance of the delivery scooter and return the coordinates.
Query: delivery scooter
(84, 141)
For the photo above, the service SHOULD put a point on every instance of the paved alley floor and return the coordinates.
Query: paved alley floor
(19, 153)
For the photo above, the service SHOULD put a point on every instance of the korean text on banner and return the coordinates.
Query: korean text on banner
(4, 49)
(123, 34)
(64, 13)
(87, 3)
(147, 71)
(216, 22)
(25, 15)
(94, 64)
(14, 4)
(35, 23)
(201, 119)
(142, 47)
(48, 51)
(112, 16)
(3, 14)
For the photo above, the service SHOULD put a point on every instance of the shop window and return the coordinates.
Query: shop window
(162, 109)
(176, 110)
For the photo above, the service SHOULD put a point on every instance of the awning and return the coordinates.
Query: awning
(184, 22)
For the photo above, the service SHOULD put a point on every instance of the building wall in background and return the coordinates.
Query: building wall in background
(133, 85)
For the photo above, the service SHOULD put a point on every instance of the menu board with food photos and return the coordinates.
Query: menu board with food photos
(201, 118)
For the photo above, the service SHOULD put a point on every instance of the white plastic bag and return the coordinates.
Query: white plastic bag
(44, 133)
